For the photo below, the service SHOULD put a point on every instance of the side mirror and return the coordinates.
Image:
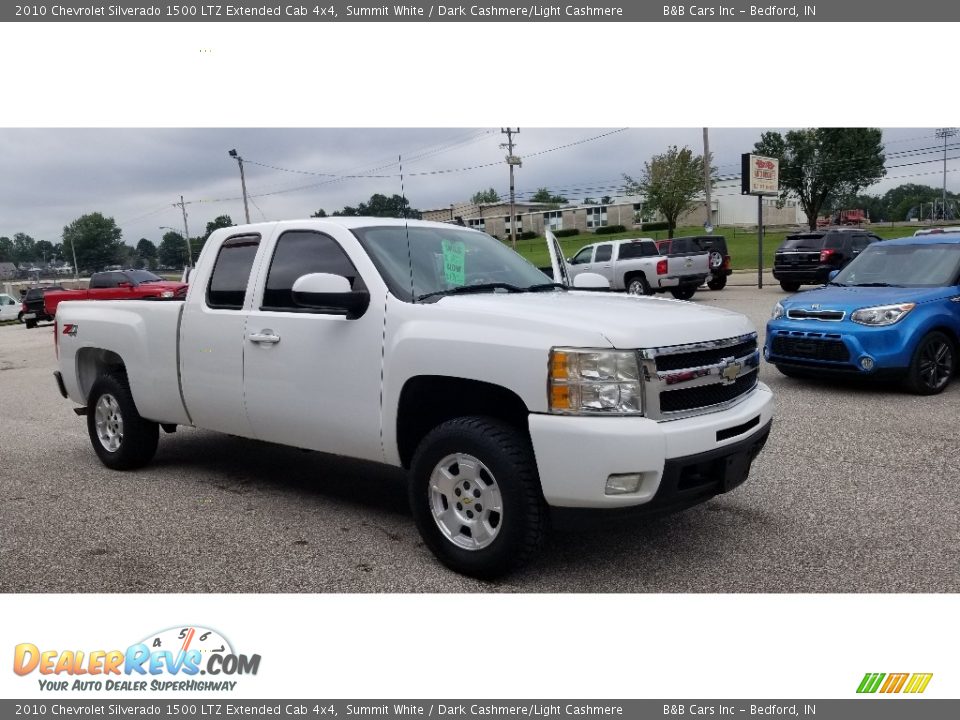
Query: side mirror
(125, 284)
(331, 294)
(832, 275)
(591, 281)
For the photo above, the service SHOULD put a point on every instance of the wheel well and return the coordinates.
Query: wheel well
(430, 400)
(632, 274)
(95, 362)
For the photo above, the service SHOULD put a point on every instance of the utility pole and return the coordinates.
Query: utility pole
(708, 225)
(186, 232)
(945, 133)
(511, 161)
(243, 183)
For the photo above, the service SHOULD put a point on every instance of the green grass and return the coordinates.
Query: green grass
(742, 245)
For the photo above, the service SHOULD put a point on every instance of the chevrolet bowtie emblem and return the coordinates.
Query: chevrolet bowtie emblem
(730, 371)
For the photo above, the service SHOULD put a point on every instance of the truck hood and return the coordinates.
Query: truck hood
(600, 318)
(853, 298)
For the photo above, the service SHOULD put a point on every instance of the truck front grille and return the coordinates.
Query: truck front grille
(686, 380)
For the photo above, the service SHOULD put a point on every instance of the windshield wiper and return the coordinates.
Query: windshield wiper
(545, 286)
(479, 288)
(875, 284)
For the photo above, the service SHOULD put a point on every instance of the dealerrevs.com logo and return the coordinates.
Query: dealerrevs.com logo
(893, 683)
(172, 659)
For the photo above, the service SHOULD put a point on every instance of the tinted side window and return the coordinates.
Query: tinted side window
(838, 242)
(604, 252)
(102, 280)
(637, 249)
(231, 273)
(583, 256)
(859, 243)
(299, 253)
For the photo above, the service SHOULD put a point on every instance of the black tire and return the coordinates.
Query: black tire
(934, 362)
(718, 283)
(638, 285)
(20, 317)
(137, 441)
(789, 286)
(683, 293)
(505, 452)
(31, 324)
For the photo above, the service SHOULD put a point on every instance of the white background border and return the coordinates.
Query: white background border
(418, 75)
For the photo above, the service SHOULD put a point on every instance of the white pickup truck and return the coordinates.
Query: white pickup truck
(638, 267)
(514, 402)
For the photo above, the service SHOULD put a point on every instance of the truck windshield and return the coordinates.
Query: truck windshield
(442, 260)
(903, 265)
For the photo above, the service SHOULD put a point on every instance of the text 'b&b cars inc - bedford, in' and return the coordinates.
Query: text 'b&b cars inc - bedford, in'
(893, 312)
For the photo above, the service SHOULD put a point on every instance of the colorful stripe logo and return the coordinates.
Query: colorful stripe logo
(913, 683)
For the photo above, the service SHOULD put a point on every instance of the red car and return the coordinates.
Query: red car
(118, 285)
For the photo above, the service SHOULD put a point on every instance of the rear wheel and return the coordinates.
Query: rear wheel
(121, 438)
(934, 363)
(718, 283)
(789, 286)
(20, 317)
(31, 324)
(638, 285)
(475, 496)
(683, 293)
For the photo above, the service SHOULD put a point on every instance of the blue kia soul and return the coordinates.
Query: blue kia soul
(894, 311)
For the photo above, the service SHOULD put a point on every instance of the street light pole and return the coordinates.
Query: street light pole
(243, 183)
(511, 161)
(945, 133)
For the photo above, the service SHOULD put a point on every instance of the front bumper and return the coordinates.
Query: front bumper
(576, 454)
(839, 347)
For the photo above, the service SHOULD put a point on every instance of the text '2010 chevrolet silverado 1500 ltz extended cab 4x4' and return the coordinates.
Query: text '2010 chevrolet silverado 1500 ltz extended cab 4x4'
(512, 401)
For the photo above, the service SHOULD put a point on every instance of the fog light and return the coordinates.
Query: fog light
(623, 484)
(866, 363)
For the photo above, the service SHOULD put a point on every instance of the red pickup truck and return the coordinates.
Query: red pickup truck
(118, 285)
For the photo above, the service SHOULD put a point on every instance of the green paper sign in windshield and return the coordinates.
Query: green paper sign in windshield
(454, 260)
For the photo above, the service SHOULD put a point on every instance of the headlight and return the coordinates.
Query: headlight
(778, 312)
(605, 382)
(882, 314)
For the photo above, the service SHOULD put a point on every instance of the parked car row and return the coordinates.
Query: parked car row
(892, 312)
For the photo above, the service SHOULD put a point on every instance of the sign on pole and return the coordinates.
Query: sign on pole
(759, 175)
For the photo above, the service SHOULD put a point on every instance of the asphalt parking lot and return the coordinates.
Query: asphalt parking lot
(856, 491)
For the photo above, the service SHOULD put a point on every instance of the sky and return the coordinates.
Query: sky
(50, 177)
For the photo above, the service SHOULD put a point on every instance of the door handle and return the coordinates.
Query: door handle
(264, 338)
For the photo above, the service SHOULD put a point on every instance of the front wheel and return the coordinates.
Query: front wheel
(475, 496)
(684, 293)
(121, 438)
(934, 363)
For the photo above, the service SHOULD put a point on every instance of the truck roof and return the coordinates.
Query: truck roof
(947, 238)
(345, 222)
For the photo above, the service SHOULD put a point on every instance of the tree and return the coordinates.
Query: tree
(6, 249)
(395, 206)
(96, 239)
(221, 221)
(321, 213)
(172, 251)
(819, 166)
(146, 249)
(543, 195)
(44, 250)
(669, 182)
(485, 197)
(24, 248)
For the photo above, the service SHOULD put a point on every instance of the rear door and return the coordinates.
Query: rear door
(312, 377)
(212, 339)
(603, 261)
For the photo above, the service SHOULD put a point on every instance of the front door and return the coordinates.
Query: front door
(312, 378)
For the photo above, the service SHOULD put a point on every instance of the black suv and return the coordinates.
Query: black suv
(34, 311)
(808, 258)
(716, 245)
